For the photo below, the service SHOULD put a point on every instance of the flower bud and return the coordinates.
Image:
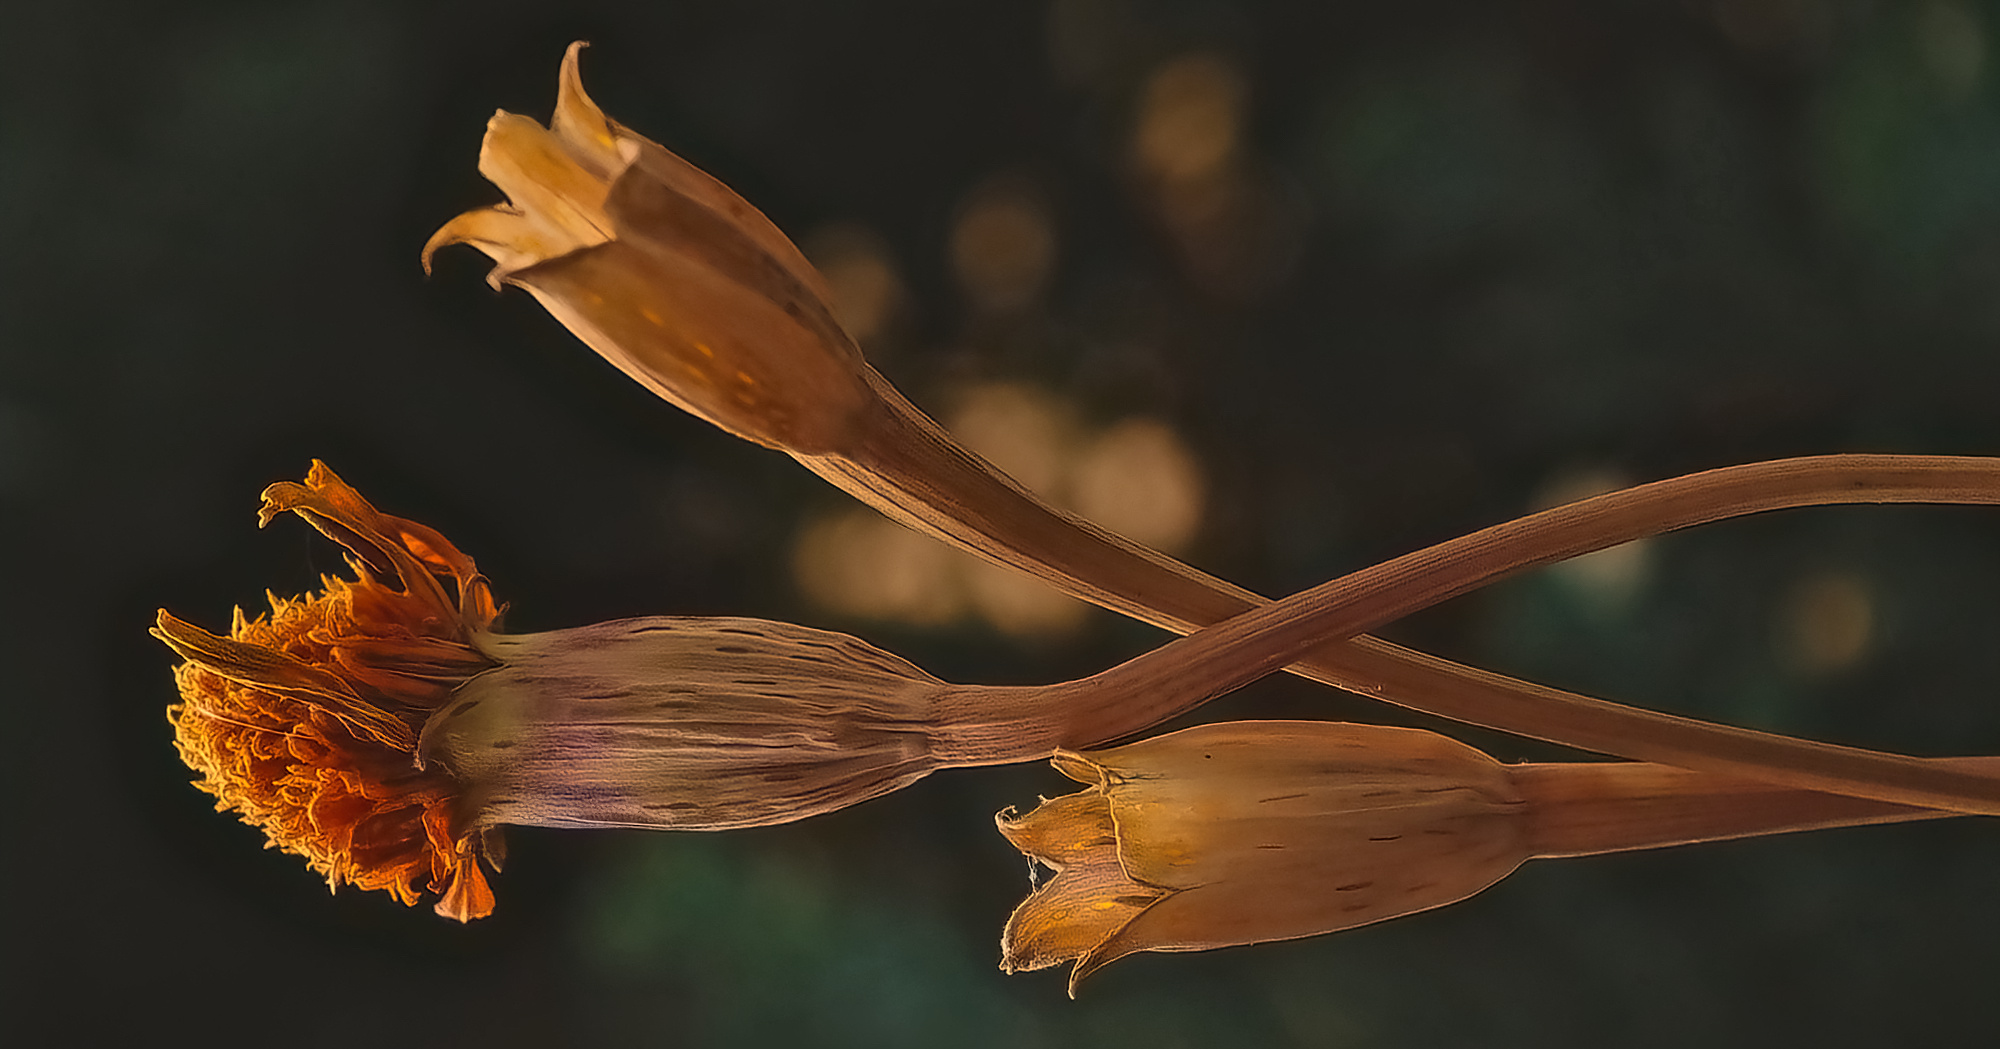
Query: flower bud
(1256, 831)
(667, 274)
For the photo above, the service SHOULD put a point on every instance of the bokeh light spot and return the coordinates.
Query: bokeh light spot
(1003, 245)
(1609, 579)
(865, 565)
(1136, 477)
(868, 293)
(1024, 431)
(1828, 623)
(1190, 118)
(1018, 604)
(1139, 480)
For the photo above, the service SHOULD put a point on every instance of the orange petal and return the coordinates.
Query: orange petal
(342, 515)
(503, 233)
(545, 182)
(580, 124)
(1062, 831)
(468, 896)
(275, 671)
(1067, 918)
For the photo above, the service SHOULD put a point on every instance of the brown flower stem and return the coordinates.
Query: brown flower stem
(687, 288)
(1184, 673)
(1578, 809)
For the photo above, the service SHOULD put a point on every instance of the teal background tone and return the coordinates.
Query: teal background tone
(1526, 236)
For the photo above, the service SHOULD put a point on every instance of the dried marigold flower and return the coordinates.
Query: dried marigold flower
(305, 721)
(1243, 833)
(383, 731)
(666, 273)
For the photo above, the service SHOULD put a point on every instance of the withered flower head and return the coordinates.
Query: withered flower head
(383, 731)
(305, 721)
(666, 273)
(1256, 831)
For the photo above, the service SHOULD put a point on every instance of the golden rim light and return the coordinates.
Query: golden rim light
(378, 728)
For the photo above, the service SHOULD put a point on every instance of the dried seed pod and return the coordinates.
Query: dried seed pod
(666, 273)
(1255, 831)
(1249, 832)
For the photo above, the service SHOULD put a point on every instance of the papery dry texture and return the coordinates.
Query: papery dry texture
(695, 294)
(1250, 832)
(304, 721)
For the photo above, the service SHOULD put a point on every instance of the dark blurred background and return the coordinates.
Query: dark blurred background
(1288, 287)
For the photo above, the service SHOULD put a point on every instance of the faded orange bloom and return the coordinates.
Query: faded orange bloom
(305, 721)
(383, 730)
(665, 272)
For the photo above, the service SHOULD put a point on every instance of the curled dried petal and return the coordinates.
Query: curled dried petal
(305, 721)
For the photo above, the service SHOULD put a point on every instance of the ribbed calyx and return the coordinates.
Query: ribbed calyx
(682, 723)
